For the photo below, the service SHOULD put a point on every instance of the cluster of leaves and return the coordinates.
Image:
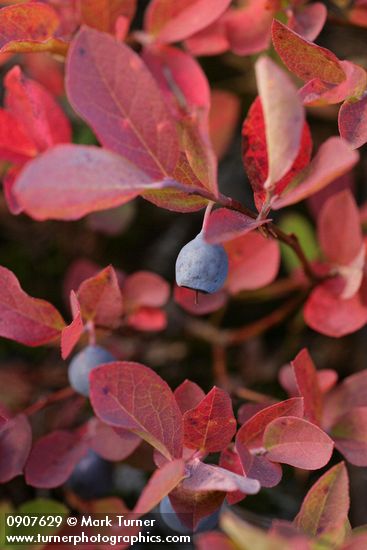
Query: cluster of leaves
(161, 131)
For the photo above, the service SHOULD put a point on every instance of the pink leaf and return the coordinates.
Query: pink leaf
(333, 159)
(253, 262)
(207, 477)
(100, 299)
(328, 313)
(309, 20)
(161, 483)
(27, 320)
(283, 114)
(308, 385)
(339, 229)
(224, 225)
(251, 432)
(145, 288)
(350, 436)
(305, 59)
(230, 460)
(128, 113)
(188, 395)
(249, 28)
(53, 459)
(133, 397)
(297, 442)
(111, 443)
(147, 319)
(205, 303)
(213, 540)
(36, 107)
(212, 40)
(172, 22)
(15, 445)
(352, 392)
(70, 181)
(210, 426)
(352, 121)
(326, 504)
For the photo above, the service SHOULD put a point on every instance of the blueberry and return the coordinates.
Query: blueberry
(202, 266)
(172, 521)
(92, 477)
(82, 364)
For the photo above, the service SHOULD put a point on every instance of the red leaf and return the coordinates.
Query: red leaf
(41, 116)
(297, 442)
(111, 443)
(172, 21)
(128, 113)
(224, 225)
(253, 262)
(191, 506)
(34, 21)
(210, 426)
(207, 477)
(328, 313)
(251, 432)
(15, 445)
(53, 458)
(15, 144)
(100, 299)
(305, 59)
(70, 181)
(269, 474)
(181, 79)
(255, 157)
(308, 20)
(212, 40)
(161, 483)
(27, 320)
(103, 14)
(352, 120)
(223, 118)
(308, 385)
(333, 159)
(230, 460)
(133, 397)
(188, 395)
(350, 435)
(148, 319)
(283, 115)
(206, 303)
(145, 288)
(249, 28)
(325, 507)
(71, 334)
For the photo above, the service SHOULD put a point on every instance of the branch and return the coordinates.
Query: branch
(60, 395)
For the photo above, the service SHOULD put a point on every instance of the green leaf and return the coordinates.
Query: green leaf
(302, 228)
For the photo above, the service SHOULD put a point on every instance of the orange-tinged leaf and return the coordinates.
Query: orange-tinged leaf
(27, 320)
(210, 426)
(132, 396)
(103, 14)
(305, 59)
(326, 505)
(32, 23)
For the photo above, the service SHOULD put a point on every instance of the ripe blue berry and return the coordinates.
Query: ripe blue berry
(92, 477)
(202, 266)
(82, 364)
(172, 521)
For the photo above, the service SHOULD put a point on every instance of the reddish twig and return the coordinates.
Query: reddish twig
(60, 395)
